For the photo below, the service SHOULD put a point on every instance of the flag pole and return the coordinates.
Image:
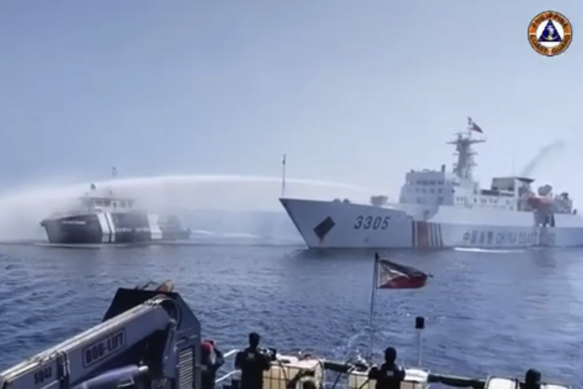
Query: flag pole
(372, 301)
(283, 176)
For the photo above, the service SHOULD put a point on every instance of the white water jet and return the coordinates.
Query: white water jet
(22, 210)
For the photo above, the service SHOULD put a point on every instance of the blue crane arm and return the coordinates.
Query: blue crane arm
(159, 335)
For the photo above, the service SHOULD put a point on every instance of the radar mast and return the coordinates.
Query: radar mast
(465, 155)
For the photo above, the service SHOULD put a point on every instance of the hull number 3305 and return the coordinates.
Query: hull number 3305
(368, 222)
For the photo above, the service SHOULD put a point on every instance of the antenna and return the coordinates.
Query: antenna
(283, 176)
(463, 146)
(419, 326)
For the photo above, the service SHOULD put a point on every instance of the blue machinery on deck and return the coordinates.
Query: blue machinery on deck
(147, 338)
(151, 339)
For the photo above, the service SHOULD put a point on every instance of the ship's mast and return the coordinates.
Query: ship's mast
(113, 177)
(465, 155)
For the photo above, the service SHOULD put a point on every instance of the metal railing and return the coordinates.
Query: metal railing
(231, 373)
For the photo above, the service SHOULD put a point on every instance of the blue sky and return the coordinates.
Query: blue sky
(353, 92)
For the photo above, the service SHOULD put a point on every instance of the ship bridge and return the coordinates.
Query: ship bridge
(104, 202)
(428, 187)
(509, 186)
(511, 183)
(94, 201)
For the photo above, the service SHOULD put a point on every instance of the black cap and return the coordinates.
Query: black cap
(532, 376)
(390, 354)
(254, 338)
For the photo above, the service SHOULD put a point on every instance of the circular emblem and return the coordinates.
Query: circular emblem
(550, 33)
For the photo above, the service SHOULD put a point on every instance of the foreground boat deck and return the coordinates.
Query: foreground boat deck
(296, 372)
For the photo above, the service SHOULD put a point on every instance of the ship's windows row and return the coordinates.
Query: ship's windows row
(429, 182)
(508, 203)
(421, 200)
(419, 190)
(109, 203)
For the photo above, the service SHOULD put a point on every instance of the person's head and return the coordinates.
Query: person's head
(206, 348)
(254, 339)
(309, 384)
(390, 355)
(532, 378)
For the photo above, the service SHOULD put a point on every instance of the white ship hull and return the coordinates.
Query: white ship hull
(326, 224)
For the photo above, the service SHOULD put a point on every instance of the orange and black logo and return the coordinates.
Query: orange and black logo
(550, 33)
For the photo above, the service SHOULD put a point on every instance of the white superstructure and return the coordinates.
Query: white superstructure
(439, 208)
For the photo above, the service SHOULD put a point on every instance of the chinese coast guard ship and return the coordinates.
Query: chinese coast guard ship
(439, 209)
(106, 218)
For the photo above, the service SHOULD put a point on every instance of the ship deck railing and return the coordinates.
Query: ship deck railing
(354, 376)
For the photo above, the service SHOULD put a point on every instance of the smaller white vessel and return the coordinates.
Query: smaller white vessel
(105, 218)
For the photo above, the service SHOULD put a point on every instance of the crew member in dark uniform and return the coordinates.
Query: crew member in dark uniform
(211, 360)
(252, 362)
(390, 374)
(532, 379)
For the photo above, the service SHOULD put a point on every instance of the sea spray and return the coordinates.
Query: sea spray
(22, 210)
